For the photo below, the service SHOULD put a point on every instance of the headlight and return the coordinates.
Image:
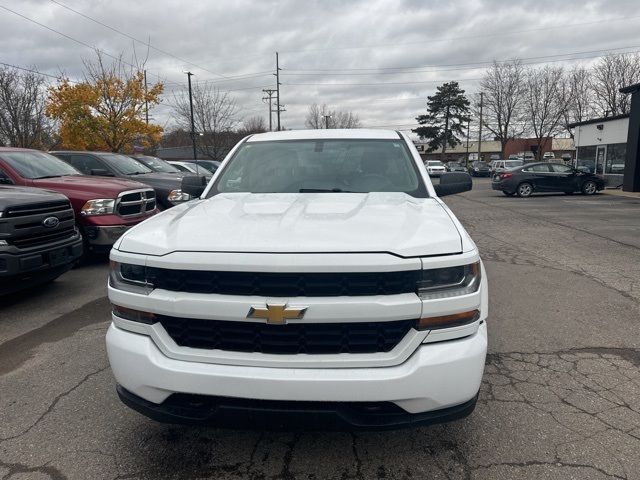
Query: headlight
(475, 169)
(177, 196)
(449, 282)
(99, 206)
(130, 278)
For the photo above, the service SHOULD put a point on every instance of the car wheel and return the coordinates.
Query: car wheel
(589, 187)
(525, 189)
(508, 194)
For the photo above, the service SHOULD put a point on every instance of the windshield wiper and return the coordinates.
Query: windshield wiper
(324, 190)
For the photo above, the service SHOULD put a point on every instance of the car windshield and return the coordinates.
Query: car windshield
(125, 165)
(308, 166)
(435, 163)
(197, 168)
(157, 164)
(34, 165)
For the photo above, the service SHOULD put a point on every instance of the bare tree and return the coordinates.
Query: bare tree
(214, 114)
(503, 86)
(545, 103)
(322, 117)
(578, 96)
(611, 73)
(253, 125)
(23, 122)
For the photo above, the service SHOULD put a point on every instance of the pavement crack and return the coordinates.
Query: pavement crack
(55, 402)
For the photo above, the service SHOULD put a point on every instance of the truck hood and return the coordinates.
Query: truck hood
(300, 223)
(10, 196)
(84, 187)
(166, 181)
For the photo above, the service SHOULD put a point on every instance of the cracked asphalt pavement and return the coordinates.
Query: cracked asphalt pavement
(560, 397)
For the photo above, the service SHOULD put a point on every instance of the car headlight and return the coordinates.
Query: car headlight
(449, 281)
(130, 278)
(177, 196)
(99, 206)
(475, 169)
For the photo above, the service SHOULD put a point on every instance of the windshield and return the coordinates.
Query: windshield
(321, 166)
(34, 165)
(157, 164)
(435, 163)
(197, 168)
(125, 165)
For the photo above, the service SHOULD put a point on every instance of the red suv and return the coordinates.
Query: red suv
(104, 207)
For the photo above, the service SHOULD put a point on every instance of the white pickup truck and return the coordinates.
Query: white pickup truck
(318, 277)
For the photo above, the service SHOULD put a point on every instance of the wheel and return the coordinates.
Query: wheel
(589, 187)
(508, 194)
(524, 189)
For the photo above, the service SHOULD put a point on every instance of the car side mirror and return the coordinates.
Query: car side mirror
(193, 185)
(101, 172)
(452, 183)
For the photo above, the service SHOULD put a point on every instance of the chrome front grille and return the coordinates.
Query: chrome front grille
(135, 202)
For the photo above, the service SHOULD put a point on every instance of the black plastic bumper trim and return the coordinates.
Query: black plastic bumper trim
(275, 415)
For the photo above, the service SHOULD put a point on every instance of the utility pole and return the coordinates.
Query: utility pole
(480, 127)
(269, 98)
(278, 89)
(326, 121)
(467, 161)
(193, 127)
(146, 103)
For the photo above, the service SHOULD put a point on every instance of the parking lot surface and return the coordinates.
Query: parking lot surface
(560, 397)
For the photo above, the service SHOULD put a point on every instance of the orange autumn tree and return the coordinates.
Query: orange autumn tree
(106, 110)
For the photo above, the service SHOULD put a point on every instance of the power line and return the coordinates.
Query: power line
(58, 77)
(380, 83)
(465, 37)
(467, 66)
(80, 42)
(131, 37)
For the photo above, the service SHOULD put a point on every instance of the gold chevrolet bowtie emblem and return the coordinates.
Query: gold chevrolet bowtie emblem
(277, 314)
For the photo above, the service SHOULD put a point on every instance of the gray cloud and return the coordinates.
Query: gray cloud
(335, 37)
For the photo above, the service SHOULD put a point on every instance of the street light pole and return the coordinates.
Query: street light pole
(193, 127)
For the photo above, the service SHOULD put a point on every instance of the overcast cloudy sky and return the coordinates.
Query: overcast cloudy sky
(379, 58)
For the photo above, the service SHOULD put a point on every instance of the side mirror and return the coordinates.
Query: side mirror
(193, 185)
(100, 172)
(454, 182)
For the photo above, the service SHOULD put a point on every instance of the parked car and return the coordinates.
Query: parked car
(157, 164)
(211, 165)
(548, 156)
(105, 164)
(319, 266)
(479, 169)
(499, 166)
(104, 207)
(455, 167)
(192, 168)
(38, 237)
(435, 168)
(546, 177)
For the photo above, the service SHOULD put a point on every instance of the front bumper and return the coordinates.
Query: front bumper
(436, 376)
(238, 413)
(104, 236)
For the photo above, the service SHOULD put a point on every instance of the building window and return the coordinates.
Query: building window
(586, 158)
(616, 154)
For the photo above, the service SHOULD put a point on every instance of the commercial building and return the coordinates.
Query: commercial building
(601, 145)
(492, 149)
